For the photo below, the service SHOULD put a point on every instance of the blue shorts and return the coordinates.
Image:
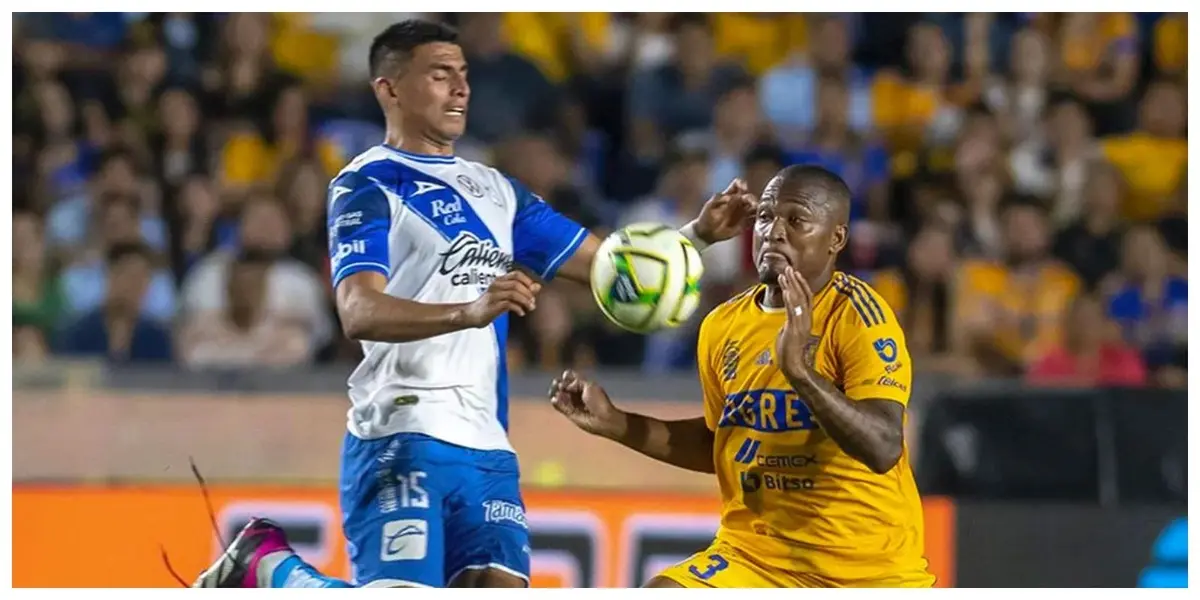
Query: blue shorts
(419, 511)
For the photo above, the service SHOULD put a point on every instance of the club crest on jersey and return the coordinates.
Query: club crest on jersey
(469, 184)
(730, 355)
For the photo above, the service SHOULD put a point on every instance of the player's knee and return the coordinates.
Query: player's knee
(662, 582)
(488, 578)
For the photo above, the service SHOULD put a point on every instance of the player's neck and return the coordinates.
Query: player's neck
(772, 298)
(416, 144)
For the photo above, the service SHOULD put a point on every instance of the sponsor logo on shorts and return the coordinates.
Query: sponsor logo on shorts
(404, 539)
(499, 511)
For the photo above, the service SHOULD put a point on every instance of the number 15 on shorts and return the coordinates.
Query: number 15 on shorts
(716, 564)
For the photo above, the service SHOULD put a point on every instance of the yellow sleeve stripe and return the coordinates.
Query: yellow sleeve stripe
(862, 300)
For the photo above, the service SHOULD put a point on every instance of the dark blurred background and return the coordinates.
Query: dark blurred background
(1019, 179)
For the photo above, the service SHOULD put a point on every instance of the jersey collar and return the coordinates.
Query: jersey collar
(432, 159)
(761, 293)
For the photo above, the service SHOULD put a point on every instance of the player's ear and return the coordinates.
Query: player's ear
(384, 89)
(841, 235)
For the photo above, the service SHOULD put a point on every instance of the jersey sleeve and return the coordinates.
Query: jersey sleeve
(710, 383)
(360, 219)
(871, 349)
(543, 239)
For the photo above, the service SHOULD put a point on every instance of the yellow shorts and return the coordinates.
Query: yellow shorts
(722, 565)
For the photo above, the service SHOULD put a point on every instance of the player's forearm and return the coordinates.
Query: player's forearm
(372, 316)
(687, 444)
(865, 434)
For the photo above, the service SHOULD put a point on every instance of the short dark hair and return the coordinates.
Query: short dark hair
(395, 44)
(119, 252)
(816, 175)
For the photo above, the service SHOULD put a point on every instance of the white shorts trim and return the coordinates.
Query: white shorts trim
(496, 566)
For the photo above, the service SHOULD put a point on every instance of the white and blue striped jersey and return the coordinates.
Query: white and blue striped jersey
(441, 229)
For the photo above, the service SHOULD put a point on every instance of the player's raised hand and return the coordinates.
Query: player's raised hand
(585, 403)
(512, 292)
(793, 339)
(727, 214)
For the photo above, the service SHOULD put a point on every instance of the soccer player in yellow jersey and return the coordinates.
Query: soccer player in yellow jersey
(806, 378)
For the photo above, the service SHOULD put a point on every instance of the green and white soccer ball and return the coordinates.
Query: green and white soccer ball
(646, 277)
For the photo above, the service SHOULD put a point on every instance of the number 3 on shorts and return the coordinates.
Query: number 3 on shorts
(716, 564)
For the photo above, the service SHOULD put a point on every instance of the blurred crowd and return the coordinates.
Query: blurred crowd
(1019, 180)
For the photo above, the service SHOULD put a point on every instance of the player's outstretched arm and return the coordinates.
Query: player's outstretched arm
(870, 429)
(724, 216)
(369, 314)
(687, 443)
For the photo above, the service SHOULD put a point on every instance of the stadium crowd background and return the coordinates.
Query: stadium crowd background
(1020, 180)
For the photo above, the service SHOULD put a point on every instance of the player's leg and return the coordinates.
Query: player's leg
(392, 496)
(662, 582)
(486, 518)
(260, 557)
(718, 566)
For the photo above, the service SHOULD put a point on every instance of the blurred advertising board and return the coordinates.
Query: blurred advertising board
(141, 436)
(597, 539)
(1054, 545)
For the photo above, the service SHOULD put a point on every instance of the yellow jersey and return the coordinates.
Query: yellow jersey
(793, 500)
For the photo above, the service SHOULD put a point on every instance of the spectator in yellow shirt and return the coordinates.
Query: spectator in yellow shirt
(1153, 158)
(1099, 62)
(1170, 45)
(1007, 313)
(924, 108)
(302, 50)
(759, 41)
(253, 156)
(559, 44)
(922, 295)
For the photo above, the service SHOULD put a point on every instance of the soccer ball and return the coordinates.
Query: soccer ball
(646, 277)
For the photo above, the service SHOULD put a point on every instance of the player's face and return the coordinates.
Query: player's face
(433, 91)
(797, 228)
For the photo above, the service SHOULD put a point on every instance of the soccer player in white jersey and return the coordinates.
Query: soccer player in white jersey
(423, 248)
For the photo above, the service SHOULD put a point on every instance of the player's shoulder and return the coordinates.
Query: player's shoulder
(728, 313)
(399, 171)
(855, 302)
(367, 163)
